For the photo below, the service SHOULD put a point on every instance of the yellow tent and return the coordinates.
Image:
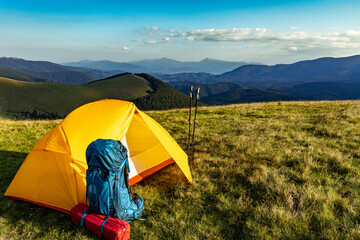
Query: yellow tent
(53, 174)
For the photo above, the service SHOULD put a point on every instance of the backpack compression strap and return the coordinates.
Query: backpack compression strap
(102, 226)
(83, 217)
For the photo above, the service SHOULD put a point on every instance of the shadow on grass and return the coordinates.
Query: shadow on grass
(26, 220)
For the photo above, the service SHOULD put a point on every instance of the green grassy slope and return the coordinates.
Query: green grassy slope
(223, 93)
(44, 97)
(17, 96)
(124, 87)
(246, 95)
(261, 171)
(162, 96)
(21, 75)
(207, 89)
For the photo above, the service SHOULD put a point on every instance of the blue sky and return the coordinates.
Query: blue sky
(260, 31)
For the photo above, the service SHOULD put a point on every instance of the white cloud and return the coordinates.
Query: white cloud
(151, 41)
(353, 33)
(152, 28)
(139, 40)
(292, 40)
(117, 47)
(261, 41)
(112, 47)
(148, 30)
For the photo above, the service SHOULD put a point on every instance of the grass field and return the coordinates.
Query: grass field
(285, 170)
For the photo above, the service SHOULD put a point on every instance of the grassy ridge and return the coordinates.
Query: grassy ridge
(20, 75)
(53, 100)
(261, 171)
(17, 96)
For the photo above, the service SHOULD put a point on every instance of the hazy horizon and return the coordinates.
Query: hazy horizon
(269, 32)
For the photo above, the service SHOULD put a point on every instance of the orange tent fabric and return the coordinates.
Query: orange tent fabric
(53, 174)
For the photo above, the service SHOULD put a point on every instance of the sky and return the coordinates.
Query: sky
(269, 32)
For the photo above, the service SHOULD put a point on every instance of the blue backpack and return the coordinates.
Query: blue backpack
(107, 181)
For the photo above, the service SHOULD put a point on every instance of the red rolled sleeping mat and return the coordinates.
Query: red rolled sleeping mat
(113, 228)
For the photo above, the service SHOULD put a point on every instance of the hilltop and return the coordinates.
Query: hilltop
(288, 170)
(54, 100)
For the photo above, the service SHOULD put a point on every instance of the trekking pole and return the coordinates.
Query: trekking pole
(193, 135)
(190, 103)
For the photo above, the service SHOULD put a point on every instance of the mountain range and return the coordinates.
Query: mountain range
(327, 69)
(86, 71)
(319, 79)
(162, 65)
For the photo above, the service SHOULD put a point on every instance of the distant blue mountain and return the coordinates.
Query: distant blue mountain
(320, 79)
(319, 70)
(180, 77)
(162, 65)
(105, 65)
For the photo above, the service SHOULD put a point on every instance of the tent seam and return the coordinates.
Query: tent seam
(72, 159)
